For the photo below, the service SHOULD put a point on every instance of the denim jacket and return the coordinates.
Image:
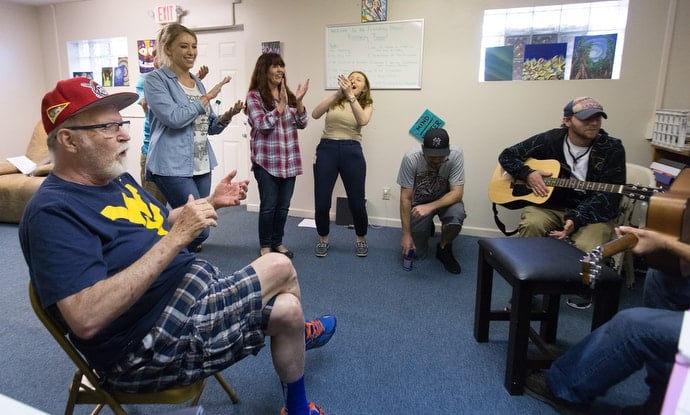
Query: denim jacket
(172, 115)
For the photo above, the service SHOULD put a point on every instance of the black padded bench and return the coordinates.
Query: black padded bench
(535, 266)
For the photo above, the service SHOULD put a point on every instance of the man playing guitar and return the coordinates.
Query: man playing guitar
(585, 152)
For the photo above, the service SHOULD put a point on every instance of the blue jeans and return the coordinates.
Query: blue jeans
(633, 338)
(177, 189)
(342, 157)
(274, 195)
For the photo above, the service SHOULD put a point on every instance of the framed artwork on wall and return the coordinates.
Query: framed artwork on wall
(270, 47)
(374, 10)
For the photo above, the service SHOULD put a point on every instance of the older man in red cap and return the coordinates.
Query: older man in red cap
(112, 261)
(585, 152)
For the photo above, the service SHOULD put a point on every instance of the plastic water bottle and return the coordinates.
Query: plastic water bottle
(408, 259)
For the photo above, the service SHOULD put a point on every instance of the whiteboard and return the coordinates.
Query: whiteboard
(389, 53)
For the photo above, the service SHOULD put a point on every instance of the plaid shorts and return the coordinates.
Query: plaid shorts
(212, 321)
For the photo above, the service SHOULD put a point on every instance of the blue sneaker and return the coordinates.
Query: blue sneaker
(319, 331)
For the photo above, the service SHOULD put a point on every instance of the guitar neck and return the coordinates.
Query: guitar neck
(582, 185)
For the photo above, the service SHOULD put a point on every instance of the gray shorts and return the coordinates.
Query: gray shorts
(421, 227)
(211, 321)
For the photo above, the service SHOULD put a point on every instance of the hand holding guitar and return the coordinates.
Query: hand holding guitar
(535, 181)
(652, 242)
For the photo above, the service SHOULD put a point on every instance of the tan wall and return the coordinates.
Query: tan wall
(482, 118)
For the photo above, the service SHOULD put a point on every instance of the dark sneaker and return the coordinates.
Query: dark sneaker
(446, 257)
(313, 410)
(579, 302)
(319, 331)
(536, 387)
(361, 248)
(321, 249)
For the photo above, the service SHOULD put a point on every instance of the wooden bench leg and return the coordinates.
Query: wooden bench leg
(518, 340)
(482, 304)
(549, 326)
(606, 299)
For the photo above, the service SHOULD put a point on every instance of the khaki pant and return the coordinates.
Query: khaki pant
(150, 187)
(537, 221)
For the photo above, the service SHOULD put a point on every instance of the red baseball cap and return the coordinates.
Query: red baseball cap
(75, 95)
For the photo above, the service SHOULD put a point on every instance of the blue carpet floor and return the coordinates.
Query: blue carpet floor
(404, 343)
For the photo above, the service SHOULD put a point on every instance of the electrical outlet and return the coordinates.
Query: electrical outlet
(386, 193)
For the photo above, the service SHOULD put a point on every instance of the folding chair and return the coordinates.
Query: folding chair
(86, 388)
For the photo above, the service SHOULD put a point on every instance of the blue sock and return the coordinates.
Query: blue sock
(296, 397)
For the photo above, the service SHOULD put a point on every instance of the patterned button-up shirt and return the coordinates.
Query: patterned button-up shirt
(274, 142)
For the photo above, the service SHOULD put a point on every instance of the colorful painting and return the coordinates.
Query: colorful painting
(270, 47)
(145, 50)
(107, 76)
(498, 64)
(593, 57)
(544, 62)
(121, 77)
(374, 10)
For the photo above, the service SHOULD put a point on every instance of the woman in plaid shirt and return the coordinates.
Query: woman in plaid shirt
(275, 114)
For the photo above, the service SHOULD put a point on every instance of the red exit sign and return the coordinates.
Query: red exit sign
(166, 13)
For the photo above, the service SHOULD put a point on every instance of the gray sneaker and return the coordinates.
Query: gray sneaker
(321, 249)
(361, 248)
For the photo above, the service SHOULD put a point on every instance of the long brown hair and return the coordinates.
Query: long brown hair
(260, 82)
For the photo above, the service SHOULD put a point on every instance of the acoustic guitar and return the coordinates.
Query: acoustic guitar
(667, 214)
(513, 193)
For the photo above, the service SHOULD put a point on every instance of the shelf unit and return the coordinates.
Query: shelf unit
(682, 156)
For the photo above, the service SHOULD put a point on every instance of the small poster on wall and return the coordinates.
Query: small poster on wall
(271, 47)
(121, 72)
(498, 64)
(107, 75)
(145, 53)
(544, 62)
(593, 57)
(374, 10)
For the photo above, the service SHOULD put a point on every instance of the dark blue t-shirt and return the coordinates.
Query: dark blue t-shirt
(73, 236)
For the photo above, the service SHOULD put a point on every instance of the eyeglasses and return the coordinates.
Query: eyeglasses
(109, 129)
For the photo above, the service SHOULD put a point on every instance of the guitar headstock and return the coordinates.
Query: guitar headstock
(639, 192)
(591, 266)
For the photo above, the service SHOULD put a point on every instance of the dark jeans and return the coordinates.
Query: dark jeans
(274, 195)
(342, 157)
(177, 189)
(635, 338)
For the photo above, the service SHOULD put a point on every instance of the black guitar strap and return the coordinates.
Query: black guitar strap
(500, 224)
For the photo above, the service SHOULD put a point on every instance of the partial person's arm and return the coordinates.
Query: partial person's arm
(453, 196)
(91, 309)
(649, 241)
(406, 241)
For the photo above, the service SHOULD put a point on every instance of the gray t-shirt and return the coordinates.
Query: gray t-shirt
(427, 184)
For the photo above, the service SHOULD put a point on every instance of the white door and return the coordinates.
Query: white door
(223, 53)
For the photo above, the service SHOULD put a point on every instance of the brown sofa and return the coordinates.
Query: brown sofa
(17, 188)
